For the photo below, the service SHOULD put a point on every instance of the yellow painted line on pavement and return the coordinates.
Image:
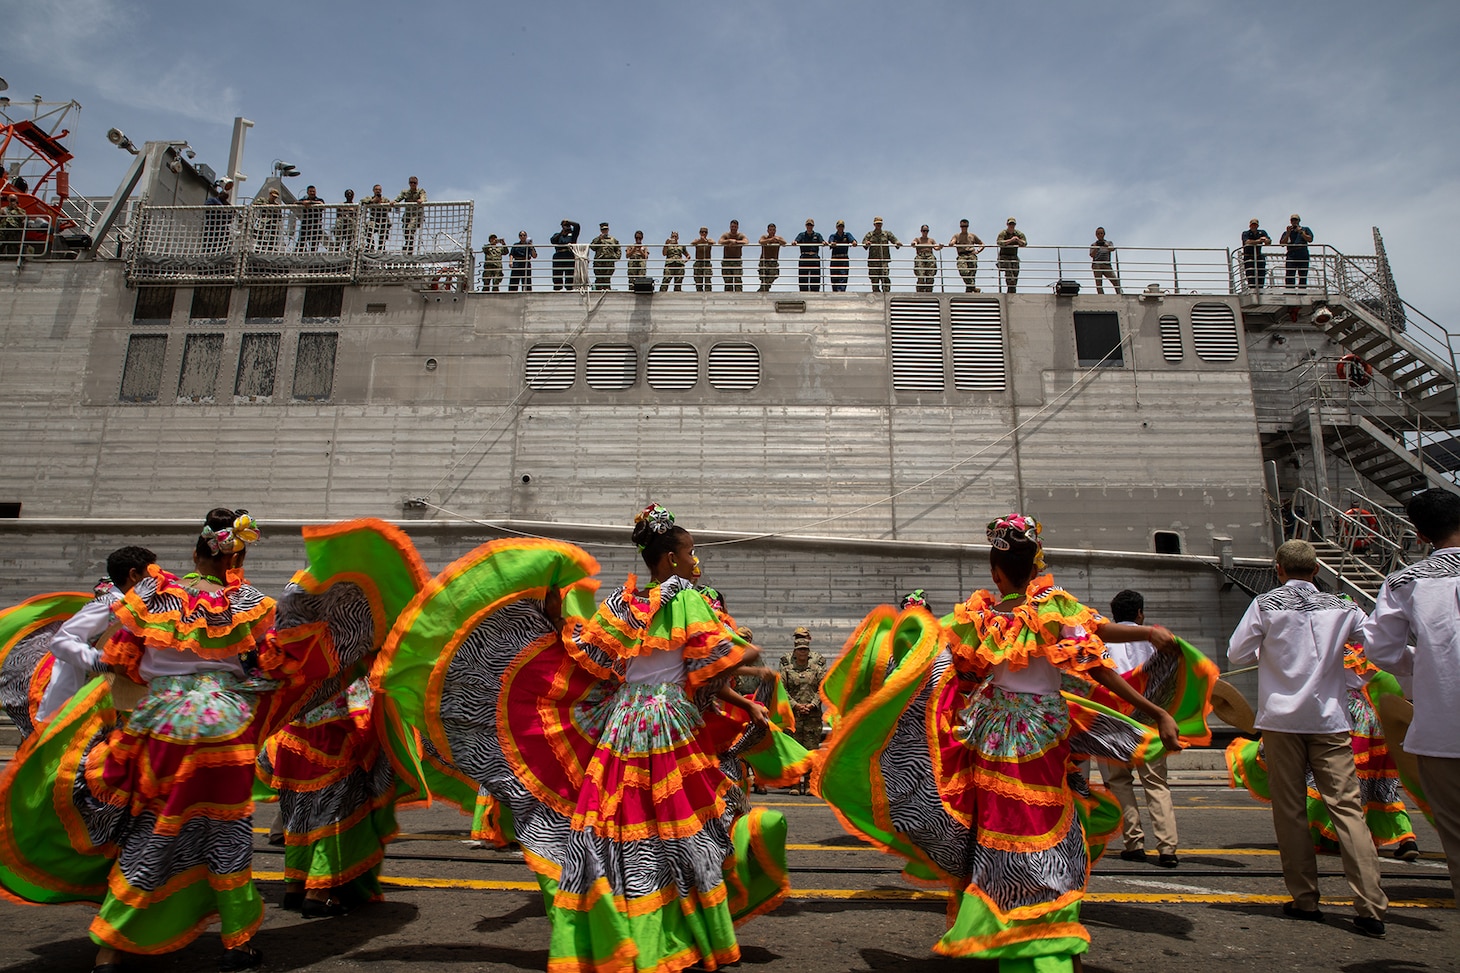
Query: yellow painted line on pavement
(908, 895)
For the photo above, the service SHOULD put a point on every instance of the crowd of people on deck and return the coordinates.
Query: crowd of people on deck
(617, 741)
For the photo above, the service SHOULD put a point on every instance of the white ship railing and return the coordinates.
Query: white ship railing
(323, 243)
(1039, 270)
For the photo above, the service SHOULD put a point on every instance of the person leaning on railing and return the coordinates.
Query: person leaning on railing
(877, 241)
(492, 253)
(521, 254)
(347, 220)
(1009, 240)
(969, 247)
(1254, 261)
(770, 257)
(703, 270)
(1100, 256)
(638, 257)
(925, 265)
(378, 222)
(12, 226)
(267, 219)
(410, 223)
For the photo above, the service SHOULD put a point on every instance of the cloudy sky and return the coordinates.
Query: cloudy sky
(1169, 123)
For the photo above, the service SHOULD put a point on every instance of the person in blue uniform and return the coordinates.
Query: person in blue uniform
(562, 242)
(841, 263)
(1254, 261)
(809, 267)
(1296, 238)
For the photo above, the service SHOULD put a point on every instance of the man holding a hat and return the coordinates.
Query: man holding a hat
(878, 241)
(1009, 240)
(606, 251)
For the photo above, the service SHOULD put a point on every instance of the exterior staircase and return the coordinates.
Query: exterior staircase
(1381, 459)
(1425, 380)
(1347, 573)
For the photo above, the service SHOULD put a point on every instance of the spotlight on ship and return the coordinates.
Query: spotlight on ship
(1323, 315)
(118, 138)
(284, 170)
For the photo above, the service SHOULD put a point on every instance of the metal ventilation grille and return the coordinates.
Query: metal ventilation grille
(1171, 338)
(978, 346)
(612, 368)
(734, 366)
(551, 368)
(917, 346)
(1214, 332)
(673, 368)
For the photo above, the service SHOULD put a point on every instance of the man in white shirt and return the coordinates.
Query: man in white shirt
(1295, 634)
(74, 646)
(1422, 602)
(1130, 607)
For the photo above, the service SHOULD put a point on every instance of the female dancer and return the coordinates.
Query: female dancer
(155, 814)
(588, 727)
(969, 742)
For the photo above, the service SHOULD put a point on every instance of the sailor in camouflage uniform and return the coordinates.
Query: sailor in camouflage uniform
(879, 256)
(801, 673)
(410, 223)
(606, 252)
(492, 253)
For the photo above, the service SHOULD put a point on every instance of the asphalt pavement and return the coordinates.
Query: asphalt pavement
(454, 907)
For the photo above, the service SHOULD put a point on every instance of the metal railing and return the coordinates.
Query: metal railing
(1038, 269)
(34, 239)
(327, 242)
(1363, 545)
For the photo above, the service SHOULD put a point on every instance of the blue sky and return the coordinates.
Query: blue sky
(1168, 123)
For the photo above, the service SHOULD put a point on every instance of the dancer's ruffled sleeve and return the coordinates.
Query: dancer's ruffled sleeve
(1050, 624)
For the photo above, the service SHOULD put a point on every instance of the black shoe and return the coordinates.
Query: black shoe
(1133, 855)
(1292, 911)
(1366, 926)
(1407, 851)
(1167, 861)
(328, 909)
(240, 958)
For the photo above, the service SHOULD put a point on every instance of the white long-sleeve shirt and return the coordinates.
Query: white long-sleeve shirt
(76, 654)
(1296, 634)
(1422, 602)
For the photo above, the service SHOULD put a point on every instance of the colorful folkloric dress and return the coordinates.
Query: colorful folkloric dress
(1379, 776)
(336, 788)
(150, 819)
(26, 663)
(594, 746)
(970, 744)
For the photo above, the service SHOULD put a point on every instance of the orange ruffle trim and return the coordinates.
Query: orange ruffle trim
(1032, 630)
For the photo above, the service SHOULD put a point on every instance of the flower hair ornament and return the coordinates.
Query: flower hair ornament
(656, 517)
(230, 540)
(917, 598)
(1017, 527)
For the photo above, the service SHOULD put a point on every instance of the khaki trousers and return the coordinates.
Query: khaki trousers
(1331, 758)
(1440, 777)
(1119, 778)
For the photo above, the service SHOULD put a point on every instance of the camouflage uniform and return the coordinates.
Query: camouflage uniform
(967, 244)
(1009, 256)
(492, 254)
(410, 223)
(12, 229)
(606, 251)
(879, 245)
(804, 686)
(638, 255)
(675, 254)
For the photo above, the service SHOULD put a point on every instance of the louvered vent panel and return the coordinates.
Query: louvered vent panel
(612, 368)
(1214, 332)
(551, 368)
(978, 346)
(734, 366)
(1171, 338)
(673, 367)
(917, 346)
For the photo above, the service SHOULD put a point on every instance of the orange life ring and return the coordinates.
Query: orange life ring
(1354, 370)
(1351, 535)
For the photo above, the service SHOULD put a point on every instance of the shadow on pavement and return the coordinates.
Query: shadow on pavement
(531, 908)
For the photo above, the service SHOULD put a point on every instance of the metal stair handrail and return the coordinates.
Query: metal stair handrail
(1363, 548)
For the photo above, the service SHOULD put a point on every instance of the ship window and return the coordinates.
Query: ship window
(917, 346)
(314, 365)
(612, 368)
(210, 302)
(1214, 332)
(142, 372)
(1171, 338)
(978, 346)
(734, 366)
(673, 367)
(552, 368)
(258, 360)
(266, 301)
(1166, 542)
(1097, 339)
(324, 300)
(154, 305)
(202, 357)
(10, 509)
